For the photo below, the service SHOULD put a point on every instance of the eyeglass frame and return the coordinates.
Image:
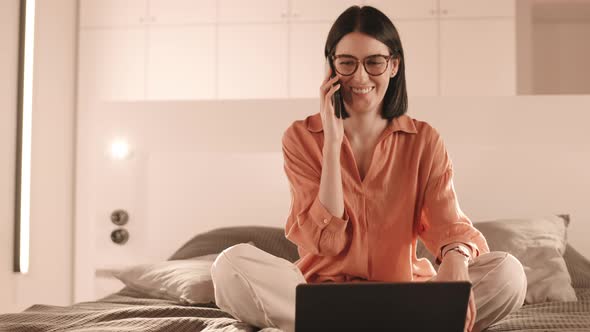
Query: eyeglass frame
(387, 57)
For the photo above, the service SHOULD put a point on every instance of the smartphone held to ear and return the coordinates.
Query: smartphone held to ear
(336, 97)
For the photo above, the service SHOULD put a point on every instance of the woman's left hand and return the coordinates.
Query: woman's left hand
(454, 267)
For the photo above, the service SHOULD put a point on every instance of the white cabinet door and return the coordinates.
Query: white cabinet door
(260, 11)
(181, 62)
(405, 9)
(112, 64)
(306, 58)
(313, 10)
(477, 8)
(252, 61)
(420, 43)
(182, 11)
(112, 13)
(478, 57)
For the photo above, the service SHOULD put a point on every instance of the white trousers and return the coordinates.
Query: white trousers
(258, 288)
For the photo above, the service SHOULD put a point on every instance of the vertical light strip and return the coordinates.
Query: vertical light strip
(25, 125)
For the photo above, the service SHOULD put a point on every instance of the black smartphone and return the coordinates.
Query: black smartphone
(336, 97)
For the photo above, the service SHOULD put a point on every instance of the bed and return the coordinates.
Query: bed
(132, 310)
(547, 172)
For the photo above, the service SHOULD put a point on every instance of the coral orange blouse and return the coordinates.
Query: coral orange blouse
(406, 194)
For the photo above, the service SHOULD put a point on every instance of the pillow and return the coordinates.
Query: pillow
(539, 244)
(270, 239)
(186, 281)
(578, 267)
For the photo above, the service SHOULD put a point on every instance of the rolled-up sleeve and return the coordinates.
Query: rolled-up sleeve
(310, 225)
(442, 222)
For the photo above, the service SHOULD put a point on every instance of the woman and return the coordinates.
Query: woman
(365, 186)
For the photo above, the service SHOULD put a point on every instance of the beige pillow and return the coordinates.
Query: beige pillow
(539, 244)
(187, 281)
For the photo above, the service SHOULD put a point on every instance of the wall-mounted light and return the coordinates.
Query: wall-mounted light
(119, 149)
(24, 137)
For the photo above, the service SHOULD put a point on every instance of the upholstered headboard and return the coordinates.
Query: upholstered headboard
(195, 166)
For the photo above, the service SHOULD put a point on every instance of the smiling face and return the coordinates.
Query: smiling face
(363, 93)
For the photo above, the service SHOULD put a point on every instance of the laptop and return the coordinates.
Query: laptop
(382, 306)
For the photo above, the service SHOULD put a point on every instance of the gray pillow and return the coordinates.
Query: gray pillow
(578, 267)
(539, 244)
(269, 239)
(273, 241)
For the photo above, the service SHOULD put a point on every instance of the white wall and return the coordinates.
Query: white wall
(9, 12)
(50, 277)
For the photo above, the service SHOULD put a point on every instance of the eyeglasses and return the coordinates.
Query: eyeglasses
(375, 65)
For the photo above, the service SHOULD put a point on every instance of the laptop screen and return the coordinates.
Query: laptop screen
(376, 306)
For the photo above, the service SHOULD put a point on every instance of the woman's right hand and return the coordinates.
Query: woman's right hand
(333, 126)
